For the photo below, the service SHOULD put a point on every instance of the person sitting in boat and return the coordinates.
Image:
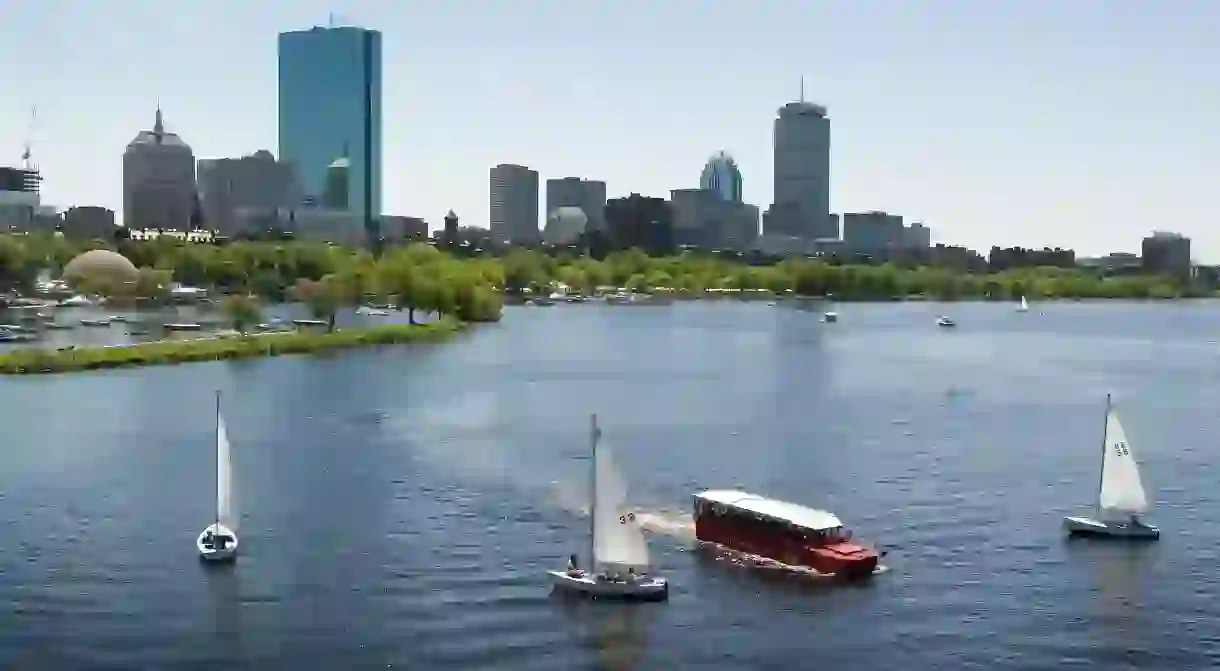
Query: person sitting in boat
(631, 576)
(209, 539)
(574, 569)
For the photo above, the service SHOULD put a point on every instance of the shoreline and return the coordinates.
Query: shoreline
(37, 361)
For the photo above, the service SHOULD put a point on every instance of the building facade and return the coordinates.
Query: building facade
(640, 221)
(873, 232)
(1167, 253)
(19, 197)
(722, 177)
(514, 204)
(589, 195)
(801, 198)
(246, 185)
(330, 108)
(703, 219)
(88, 221)
(159, 189)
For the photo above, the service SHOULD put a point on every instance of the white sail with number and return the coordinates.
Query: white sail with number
(618, 539)
(1122, 492)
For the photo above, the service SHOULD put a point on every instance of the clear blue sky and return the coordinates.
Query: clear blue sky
(1082, 124)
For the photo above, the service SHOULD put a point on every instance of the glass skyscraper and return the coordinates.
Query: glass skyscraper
(330, 109)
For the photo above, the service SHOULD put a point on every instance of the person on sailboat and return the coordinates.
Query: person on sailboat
(208, 540)
(573, 568)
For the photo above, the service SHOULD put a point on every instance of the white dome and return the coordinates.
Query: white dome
(564, 226)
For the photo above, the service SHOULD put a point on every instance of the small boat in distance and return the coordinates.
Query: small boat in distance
(618, 551)
(95, 322)
(370, 311)
(218, 542)
(944, 322)
(1120, 498)
(830, 317)
(785, 532)
(1024, 306)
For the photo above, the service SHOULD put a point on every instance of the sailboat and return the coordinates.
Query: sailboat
(618, 551)
(1024, 306)
(1120, 498)
(218, 542)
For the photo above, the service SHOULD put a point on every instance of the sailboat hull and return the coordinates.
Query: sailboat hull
(214, 554)
(643, 588)
(1086, 526)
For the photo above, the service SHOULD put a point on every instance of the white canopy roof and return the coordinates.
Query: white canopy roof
(809, 518)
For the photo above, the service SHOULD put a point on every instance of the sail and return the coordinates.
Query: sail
(618, 539)
(224, 477)
(1024, 304)
(1121, 489)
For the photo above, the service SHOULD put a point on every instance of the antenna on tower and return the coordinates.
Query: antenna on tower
(802, 88)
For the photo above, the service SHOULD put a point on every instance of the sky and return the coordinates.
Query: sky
(1082, 124)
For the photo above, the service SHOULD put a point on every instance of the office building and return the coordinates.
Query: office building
(330, 109)
(703, 219)
(19, 197)
(801, 200)
(514, 204)
(1167, 253)
(159, 180)
(232, 191)
(640, 221)
(588, 195)
(873, 232)
(722, 177)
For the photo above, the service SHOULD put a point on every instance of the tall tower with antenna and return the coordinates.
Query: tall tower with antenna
(27, 161)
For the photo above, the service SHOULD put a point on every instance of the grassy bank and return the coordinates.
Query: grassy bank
(34, 361)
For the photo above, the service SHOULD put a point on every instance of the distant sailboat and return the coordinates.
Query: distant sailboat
(218, 542)
(1120, 498)
(618, 550)
(1024, 306)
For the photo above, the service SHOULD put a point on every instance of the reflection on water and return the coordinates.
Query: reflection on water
(224, 591)
(616, 632)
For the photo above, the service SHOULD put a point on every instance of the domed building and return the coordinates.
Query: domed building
(564, 226)
(101, 266)
(722, 177)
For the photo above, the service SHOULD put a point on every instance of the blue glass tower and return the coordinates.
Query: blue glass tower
(722, 176)
(330, 109)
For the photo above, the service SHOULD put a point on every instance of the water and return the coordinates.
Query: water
(399, 507)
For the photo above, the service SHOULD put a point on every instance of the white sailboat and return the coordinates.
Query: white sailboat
(1120, 498)
(617, 548)
(218, 542)
(1024, 306)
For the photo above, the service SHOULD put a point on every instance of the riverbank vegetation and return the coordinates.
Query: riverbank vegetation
(32, 360)
(421, 278)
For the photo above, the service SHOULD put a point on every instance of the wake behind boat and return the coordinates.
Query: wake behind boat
(1120, 498)
(617, 549)
(218, 542)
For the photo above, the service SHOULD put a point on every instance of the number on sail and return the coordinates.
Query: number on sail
(629, 517)
(1120, 448)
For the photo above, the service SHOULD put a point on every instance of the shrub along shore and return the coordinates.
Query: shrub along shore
(33, 361)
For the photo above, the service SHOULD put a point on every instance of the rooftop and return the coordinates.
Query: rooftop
(802, 516)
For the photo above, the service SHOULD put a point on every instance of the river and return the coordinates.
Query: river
(400, 506)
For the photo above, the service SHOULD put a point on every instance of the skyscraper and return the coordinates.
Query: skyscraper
(801, 203)
(514, 204)
(721, 176)
(330, 108)
(158, 180)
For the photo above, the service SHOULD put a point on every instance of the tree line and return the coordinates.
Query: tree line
(419, 277)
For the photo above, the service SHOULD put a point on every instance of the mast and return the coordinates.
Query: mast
(216, 453)
(594, 434)
(1101, 475)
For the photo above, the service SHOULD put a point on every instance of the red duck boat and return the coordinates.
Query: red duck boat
(785, 532)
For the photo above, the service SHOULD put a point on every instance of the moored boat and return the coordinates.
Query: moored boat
(785, 532)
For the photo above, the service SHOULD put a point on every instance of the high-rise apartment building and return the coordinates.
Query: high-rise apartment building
(514, 204)
(589, 195)
(801, 202)
(329, 109)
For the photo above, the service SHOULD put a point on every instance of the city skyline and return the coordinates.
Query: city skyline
(986, 139)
